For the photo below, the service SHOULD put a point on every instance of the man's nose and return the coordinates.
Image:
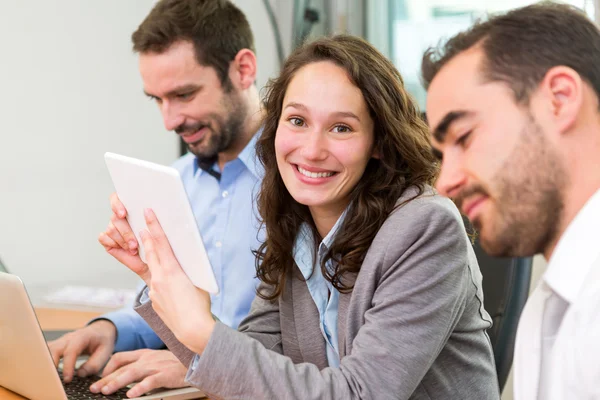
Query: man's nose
(451, 178)
(171, 117)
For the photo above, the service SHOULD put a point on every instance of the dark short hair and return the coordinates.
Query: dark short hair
(521, 45)
(217, 28)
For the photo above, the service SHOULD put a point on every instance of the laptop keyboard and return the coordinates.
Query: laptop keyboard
(79, 389)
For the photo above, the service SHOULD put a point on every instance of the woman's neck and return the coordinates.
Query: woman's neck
(325, 218)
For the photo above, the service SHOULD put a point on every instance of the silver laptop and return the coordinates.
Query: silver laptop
(26, 366)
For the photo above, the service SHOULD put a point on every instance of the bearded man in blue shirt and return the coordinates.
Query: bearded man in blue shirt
(197, 62)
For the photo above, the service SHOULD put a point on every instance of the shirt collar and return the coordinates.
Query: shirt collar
(304, 245)
(328, 240)
(576, 252)
(247, 156)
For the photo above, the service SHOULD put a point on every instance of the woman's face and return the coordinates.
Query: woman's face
(324, 138)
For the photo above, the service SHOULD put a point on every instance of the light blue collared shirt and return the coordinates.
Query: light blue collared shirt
(325, 296)
(227, 219)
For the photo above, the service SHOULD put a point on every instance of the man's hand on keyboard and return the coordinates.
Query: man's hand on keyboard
(96, 340)
(151, 368)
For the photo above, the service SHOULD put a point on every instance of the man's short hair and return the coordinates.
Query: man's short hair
(522, 45)
(217, 29)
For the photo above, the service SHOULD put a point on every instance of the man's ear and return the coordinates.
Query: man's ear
(242, 69)
(562, 87)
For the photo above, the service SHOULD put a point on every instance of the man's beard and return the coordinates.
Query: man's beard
(224, 130)
(528, 199)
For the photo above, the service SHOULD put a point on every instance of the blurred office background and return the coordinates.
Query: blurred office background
(70, 91)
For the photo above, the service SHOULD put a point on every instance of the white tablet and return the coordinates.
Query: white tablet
(142, 184)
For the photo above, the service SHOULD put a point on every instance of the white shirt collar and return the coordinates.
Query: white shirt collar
(576, 251)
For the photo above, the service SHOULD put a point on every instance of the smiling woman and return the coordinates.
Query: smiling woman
(324, 140)
(369, 285)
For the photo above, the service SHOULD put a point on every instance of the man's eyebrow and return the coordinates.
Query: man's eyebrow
(441, 130)
(178, 90)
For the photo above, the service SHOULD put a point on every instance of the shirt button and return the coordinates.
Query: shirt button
(218, 244)
(225, 193)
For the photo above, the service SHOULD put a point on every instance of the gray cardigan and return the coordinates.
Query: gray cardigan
(412, 328)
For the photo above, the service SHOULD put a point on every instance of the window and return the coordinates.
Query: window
(404, 29)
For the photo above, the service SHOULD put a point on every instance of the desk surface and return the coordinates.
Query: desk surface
(55, 319)
(59, 319)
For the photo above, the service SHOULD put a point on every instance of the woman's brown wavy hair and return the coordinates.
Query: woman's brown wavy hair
(400, 140)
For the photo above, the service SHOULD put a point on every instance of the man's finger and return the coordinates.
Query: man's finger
(119, 360)
(94, 364)
(57, 347)
(119, 379)
(149, 383)
(73, 350)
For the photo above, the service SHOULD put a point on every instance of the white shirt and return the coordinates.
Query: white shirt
(573, 366)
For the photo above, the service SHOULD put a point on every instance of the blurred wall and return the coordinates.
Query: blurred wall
(70, 91)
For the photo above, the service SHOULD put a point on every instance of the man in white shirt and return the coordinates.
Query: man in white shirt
(513, 105)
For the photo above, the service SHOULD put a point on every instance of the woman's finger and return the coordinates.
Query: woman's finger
(152, 258)
(107, 242)
(161, 243)
(117, 207)
(125, 232)
(113, 233)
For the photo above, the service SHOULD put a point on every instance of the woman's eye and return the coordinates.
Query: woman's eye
(462, 141)
(342, 129)
(296, 121)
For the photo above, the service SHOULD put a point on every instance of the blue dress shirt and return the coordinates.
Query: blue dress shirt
(325, 296)
(228, 221)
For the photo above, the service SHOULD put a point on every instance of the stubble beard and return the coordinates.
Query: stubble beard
(529, 199)
(227, 132)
